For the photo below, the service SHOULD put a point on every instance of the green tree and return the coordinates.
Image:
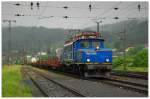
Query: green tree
(134, 51)
(141, 58)
(117, 61)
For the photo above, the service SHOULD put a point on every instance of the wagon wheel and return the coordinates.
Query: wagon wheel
(82, 71)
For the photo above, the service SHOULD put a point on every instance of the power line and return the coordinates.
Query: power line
(113, 8)
(69, 17)
(93, 18)
(66, 7)
(69, 7)
(108, 10)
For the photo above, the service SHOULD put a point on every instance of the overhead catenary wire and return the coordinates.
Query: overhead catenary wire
(69, 17)
(70, 7)
(107, 15)
(108, 10)
(125, 13)
(122, 12)
(74, 17)
(113, 11)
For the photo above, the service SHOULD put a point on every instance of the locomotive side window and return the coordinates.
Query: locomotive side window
(84, 44)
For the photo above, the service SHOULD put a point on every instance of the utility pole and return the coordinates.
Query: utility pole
(124, 34)
(124, 49)
(24, 54)
(97, 26)
(39, 42)
(9, 41)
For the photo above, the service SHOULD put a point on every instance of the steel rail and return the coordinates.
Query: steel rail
(65, 87)
(118, 83)
(37, 85)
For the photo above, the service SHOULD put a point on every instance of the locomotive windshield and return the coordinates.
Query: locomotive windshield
(91, 43)
(96, 44)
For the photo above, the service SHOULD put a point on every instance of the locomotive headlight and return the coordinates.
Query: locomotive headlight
(88, 60)
(97, 47)
(107, 60)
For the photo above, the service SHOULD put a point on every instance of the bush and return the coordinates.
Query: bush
(117, 62)
(136, 58)
(129, 60)
(141, 58)
(133, 51)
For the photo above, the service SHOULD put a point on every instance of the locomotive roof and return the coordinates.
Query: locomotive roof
(83, 35)
(91, 39)
(84, 39)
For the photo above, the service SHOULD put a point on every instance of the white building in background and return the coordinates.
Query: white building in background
(127, 49)
(33, 59)
(42, 53)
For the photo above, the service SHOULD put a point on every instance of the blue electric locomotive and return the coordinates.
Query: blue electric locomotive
(86, 55)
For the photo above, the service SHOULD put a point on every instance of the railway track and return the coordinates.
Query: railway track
(137, 87)
(141, 75)
(115, 81)
(142, 88)
(41, 79)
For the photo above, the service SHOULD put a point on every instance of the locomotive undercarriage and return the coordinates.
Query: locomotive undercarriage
(98, 70)
(91, 70)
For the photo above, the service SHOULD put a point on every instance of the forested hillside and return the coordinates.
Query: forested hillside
(40, 38)
(136, 33)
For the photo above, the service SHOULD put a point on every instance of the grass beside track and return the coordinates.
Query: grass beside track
(12, 82)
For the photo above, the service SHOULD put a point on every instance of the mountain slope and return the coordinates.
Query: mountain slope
(35, 39)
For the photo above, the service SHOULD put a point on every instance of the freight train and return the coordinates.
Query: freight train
(84, 54)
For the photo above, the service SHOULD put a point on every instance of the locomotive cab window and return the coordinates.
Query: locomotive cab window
(84, 44)
(95, 44)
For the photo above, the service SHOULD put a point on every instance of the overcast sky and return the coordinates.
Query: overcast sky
(50, 14)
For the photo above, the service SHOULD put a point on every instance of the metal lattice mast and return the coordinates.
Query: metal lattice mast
(9, 41)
